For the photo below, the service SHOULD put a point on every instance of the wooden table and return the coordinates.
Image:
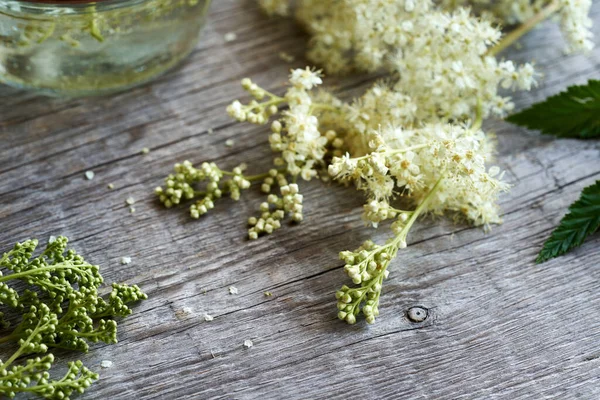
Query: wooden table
(499, 326)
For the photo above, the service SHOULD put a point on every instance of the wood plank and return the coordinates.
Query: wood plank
(499, 326)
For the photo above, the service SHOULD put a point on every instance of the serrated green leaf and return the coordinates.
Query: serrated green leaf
(582, 220)
(571, 114)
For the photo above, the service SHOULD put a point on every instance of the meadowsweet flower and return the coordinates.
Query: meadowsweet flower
(441, 52)
(305, 78)
(576, 25)
(362, 34)
(573, 16)
(385, 143)
(458, 154)
(412, 143)
(447, 72)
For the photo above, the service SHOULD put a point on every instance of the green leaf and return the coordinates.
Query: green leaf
(582, 220)
(571, 114)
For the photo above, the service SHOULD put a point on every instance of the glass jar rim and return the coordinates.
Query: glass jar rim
(72, 3)
(56, 8)
(67, 7)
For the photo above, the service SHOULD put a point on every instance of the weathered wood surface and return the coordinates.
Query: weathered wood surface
(500, 327)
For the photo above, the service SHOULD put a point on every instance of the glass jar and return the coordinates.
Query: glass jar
(77, 48)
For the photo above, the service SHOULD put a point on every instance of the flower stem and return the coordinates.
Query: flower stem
(259, 177)
(478, 116)
(82, 267)
(325, 107)
(251, 178)
(274, 100)
(394, 244)
(4, 366)
(420, 208)
(527, 26)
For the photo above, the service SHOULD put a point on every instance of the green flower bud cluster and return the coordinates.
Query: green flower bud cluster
(8, 295)
(180, 186)
(400, 223)
(367, 267)
(274, 210)
(237, 183)
(37, 329)
(292, 202)
(377, 211)
(57, 271)
(66, 311)
(118, 299)
(255, 112)
(268, 222)
(77, 379)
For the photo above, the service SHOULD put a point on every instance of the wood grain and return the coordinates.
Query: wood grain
(499, 326)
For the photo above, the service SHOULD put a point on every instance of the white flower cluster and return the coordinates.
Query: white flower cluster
(379, 106)
(359, 34)
(409, 163)
(296, 134)
(297, 137)
(576, 24)
(363, 34)
(446, 69)
(394, 146)
(442, 59)
(573, 15)
(414, 140)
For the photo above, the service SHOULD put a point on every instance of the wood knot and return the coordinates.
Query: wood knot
(417, 314)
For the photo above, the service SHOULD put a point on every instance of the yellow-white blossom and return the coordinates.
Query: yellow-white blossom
(573, 16)
(362, 34)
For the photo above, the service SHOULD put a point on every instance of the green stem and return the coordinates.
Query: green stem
(324, 107)
(95, 30)
(252, 178)
(478, 116)
(48, 33)
(421, 207)
(400, 211)
(206, 7)
(274, 101)
(101, 315)
(18, 275)
(4, 366)
(527, 26)
(81, 334)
